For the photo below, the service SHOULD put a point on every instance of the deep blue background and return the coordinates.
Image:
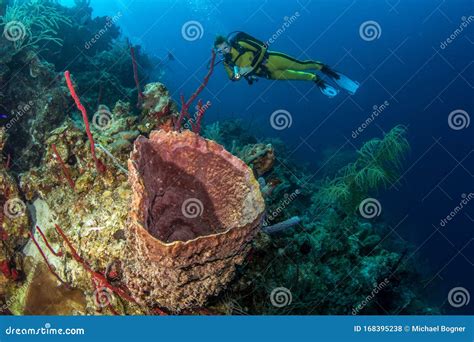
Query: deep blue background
(405, 66)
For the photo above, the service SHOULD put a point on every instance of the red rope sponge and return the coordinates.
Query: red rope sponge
(64, 167)
(98, 164)
(186, 104)
(97, 277)
(135, 72)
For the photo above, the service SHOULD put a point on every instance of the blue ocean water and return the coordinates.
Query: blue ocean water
(415, 58)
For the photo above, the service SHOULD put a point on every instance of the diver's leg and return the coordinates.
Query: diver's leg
(292, 75)
(280, 61)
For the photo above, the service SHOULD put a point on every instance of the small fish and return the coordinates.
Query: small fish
(170, 56)
(3, 116)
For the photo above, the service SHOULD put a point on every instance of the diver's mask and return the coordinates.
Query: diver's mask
(223, 51)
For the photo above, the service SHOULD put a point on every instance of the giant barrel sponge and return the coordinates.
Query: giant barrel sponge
(195, 209)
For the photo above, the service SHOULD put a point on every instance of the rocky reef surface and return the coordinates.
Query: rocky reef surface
(124, 211)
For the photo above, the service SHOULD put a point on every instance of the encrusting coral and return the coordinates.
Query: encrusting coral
(261, 157)
(13, 222)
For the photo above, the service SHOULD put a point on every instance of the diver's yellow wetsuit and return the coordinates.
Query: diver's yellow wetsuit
(248, 52)
(248, 57)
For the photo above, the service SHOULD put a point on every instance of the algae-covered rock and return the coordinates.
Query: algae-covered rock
(90, 213)
(158, 109)
(260, 157)
(14, 223)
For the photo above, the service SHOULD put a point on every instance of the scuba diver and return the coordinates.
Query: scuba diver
(246, 57)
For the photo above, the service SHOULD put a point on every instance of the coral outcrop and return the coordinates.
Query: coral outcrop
(13, 222)
(157, 108)
(261, 157)
(195, 210)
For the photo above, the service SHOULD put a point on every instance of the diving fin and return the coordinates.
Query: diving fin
(327, 89)
(341, 80)
(346, 83)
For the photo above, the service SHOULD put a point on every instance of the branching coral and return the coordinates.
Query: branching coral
(27, 24)
(378, 165)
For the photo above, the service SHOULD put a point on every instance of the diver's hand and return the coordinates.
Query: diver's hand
(246, 71)
(237, 75)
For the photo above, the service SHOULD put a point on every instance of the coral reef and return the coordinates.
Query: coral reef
(119, 208)
(35, 97)
(195, 210)
(13, 222)
(329, 260)
(26, 24)
(67, 191)
(92, 214)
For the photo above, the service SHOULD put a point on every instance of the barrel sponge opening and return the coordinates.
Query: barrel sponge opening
(190, 187)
